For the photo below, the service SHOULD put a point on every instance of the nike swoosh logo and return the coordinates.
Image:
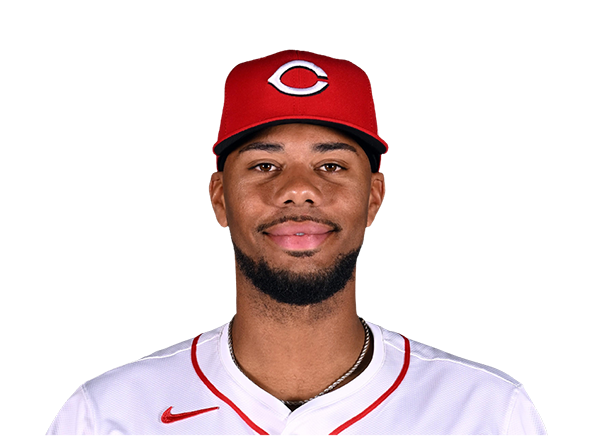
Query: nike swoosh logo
(168, 417)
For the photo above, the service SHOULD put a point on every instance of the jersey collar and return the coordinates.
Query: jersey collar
(265, 403)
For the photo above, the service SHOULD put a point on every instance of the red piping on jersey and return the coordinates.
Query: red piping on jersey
(215, 391)
(381, 399)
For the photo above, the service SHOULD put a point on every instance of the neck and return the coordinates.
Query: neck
(295, 352)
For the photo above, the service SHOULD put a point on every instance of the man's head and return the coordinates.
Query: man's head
(298, 87)
(297, 198)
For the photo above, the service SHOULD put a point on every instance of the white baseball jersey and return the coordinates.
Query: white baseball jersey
(195, 388)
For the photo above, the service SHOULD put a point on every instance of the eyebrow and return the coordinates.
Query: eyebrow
(328, 146)
(321, 147)
(266, 146)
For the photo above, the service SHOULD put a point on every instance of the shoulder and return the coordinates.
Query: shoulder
(474, 398)
(143, 388)
(424, 358)
(142, 370)
(157, 375)
(160, 367)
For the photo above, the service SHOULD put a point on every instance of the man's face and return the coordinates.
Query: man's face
(297, 197)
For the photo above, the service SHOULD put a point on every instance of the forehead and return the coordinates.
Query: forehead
(300, 138)
(300, 132)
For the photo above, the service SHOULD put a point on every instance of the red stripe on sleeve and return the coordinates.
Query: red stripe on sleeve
(218, 393)
(386, 394)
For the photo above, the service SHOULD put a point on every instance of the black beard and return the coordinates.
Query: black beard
(295, 288)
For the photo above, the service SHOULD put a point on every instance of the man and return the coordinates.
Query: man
(297, 184)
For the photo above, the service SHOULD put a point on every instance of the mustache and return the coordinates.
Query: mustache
(298, 219)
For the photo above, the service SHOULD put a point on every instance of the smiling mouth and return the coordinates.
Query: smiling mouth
(299, 234)
(303, 242)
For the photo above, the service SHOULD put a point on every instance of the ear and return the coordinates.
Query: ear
(217, 197)
(376, 196)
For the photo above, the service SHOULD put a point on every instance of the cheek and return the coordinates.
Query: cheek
(244, 206)
(350, 207)
(360, 219)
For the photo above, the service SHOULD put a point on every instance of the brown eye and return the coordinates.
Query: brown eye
(265, 167)
(331, 167)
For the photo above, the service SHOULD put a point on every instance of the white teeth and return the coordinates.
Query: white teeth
(299, 234)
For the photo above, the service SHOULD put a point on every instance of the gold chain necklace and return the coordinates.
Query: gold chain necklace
(329, 388)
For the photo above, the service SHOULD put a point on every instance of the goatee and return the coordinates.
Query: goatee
(296, 288)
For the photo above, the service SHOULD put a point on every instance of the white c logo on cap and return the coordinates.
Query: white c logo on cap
(275, 79)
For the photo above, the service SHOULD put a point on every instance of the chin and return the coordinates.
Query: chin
(298, 281)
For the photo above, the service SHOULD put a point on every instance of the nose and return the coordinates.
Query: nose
(298, 188)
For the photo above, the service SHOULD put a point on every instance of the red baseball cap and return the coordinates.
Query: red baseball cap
(298, 87)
